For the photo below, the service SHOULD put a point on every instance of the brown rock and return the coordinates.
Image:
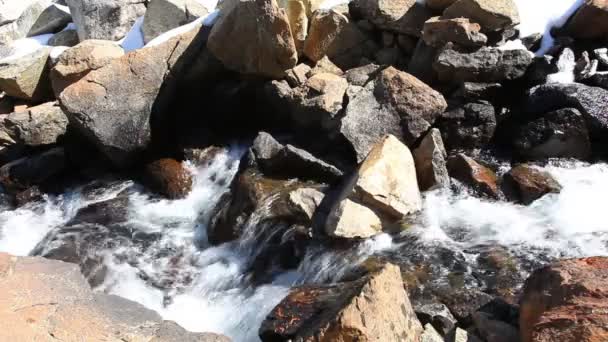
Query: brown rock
(298, 22)
(296, 76)
(460, 31)
(27, 77)
(431, 167)
(375, 308)
(473, 174)
(261, 42)
(169, 178)
(325, 65)
(492, 15)
(566, 301)
(590, 21)
(526, 184)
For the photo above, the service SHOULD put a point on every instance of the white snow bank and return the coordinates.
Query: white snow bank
(135, 38)
(328, 4)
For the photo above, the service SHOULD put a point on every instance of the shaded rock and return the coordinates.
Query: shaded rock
(260, 36)
(494, 330)
(600, 79)
(20, 174)
(533, 41)
(421, 63)
(26, 77)
(438, 315)
(389, 56)
(464, 303)
(55, 300)
(602, 56)
(324, 65)
(36, 126)
(478, 177)
(469, 126)
(484, 65)
(319, 101)
(51, 20)
(31, 194)
(296, 76)
(164, 15)
(526, 184)
(566, 301)
(67, 38)
(492, 15)
(333, 35)
(460, 31)
(385, 186)
(402, 16)
(361, 75)
(108, 20)
(439, 5)
(20, 18)
(471, 91)
(78, 61)
(169, 178)
(559, 134)
(590, 21)
(376, 308)
(430, 157)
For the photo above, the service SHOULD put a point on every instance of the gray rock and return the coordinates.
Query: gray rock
(164, 15)
(494, 330)
(36, 126)
(430, 334)
(51, 20)
(12, 10)
(67, 38)
(438, 316)
(431, 166)
(460, 335)
(469, 126)
(361, 75)
(105, 19)
(27, 17)
(26, 77)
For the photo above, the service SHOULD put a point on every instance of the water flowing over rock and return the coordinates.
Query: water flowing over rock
(53, 299)
(376, 308)
(460, 31)
(36, 126)
(430, 158)
(260, 38)
(526, 184)
(590, 21)
(384, 190)
(26, 78)
(473, 174)
(566, 301)
(101, 19)
(492, 15)
(164, 15)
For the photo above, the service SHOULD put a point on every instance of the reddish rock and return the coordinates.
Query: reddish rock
(566, 302)
(473, 174)
(169, 178)
(526, 184)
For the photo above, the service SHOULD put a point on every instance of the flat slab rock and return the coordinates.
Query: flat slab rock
(46, 298)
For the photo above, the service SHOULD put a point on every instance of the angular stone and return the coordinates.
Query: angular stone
(36, 126)
(431, 167)
(471, 173)
(102, 19)
(525, 184)
(361, 75)
(51, 20)
(494, 330)
(27, 77)
(438, 316)
(298, 22)
(325, 65)
(400, 16)
(296, 76)
(492, 15)
(164, 15)
(67, 38)
(430, 334)
(460, 31)
(260, 38)
(20, 19)
(306, 201)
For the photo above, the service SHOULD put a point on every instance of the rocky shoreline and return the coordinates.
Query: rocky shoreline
(351, 115)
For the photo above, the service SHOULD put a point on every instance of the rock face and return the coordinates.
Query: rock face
(473, 174)
(590, 21)
(78, 61)
(53, 299)
(27, 77)
(36, 126)
(385, 186)
(260, 36)
(376, 308)
(559, 134)
(332, 34)
(431, 167)
(469, 126)
(492, 15)
(566, 301)
(164, 15)
(102, 19)
(460, 31)
(525, 184)
(484, 65)
(169, 178)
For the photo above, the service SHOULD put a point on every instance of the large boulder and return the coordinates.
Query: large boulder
(394, 103)
(469, 126)
(52, 19)
(18, 18)
(484, 65)
(103, 19)
(526, 184)
(168, 177)
(430, 157)
(78, 61)
(375, 308)
(385, 185)
(259, 36)
(590, 21)
(26, 77)
(164, 15)
(53, 300)
(400, 16)
(36, 126)
(492, 15)
(566, 301)
(334, 35)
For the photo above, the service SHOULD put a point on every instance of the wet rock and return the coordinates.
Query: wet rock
(334, 35)
(78, 61)
(26, 77)
(288, 161)
(469, 126)
(260, 36)
(67, 38)
(566, 301)
(385, 187)
(492, 15)
(494, 330)
(55, 300)
(108, 20)
(19, 19)
(164, 15)
(588, 100)
(559, 134)
(484, 65)
(169, 178)
(430, 157)
(471, 173)
(460, 31)
(325, 65)
(31, 194)
(590, 21)
(296, 76)
(403, 16)
(23, 173)
(306, 201)
(51, 20)
(36, 126)
(375, 308)
(103, 213)
(464, 303)
(438, 315)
